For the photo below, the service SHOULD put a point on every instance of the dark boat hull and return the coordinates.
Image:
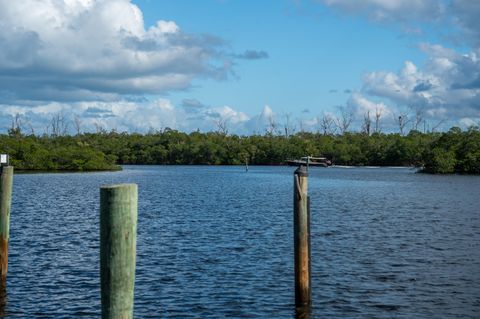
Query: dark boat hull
(304, 163)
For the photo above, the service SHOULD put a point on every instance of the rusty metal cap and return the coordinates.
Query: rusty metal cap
(301, 171)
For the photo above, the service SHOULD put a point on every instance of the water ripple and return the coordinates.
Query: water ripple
(216, 242)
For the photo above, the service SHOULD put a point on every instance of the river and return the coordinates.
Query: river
(217, 242)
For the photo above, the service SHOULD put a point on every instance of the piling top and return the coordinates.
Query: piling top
(113, 186)
(301, 171)
(6, 169)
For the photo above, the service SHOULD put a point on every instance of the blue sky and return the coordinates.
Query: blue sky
(308, 55)
(143, 64)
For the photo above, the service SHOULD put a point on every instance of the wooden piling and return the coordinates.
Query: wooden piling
(118, 236)
(301, 234)
(6, 183)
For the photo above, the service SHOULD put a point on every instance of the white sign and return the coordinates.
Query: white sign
(3, 159)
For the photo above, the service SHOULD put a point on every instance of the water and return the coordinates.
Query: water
(216, 242)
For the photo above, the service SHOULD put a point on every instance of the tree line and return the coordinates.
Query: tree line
(454, 151)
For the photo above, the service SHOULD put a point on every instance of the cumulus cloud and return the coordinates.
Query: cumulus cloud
(252, 55)
(447, 85)
(468, 122)
(226, 113)
(118, 115)
(391, 10)
(91, 50)
(126, 116)
(192, 104)
(460, 16)
(261, 122)
(362, 105)
(423, 86)
(448, 81)
(464, 14)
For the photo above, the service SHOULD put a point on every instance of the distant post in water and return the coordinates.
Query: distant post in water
(6, 184)
(301, 236)
(118, 239)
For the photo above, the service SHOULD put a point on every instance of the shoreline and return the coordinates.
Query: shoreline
(120, 168)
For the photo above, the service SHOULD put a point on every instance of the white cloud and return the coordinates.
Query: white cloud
(448, 84)
(267, 112)
(226, 113)
(440, 112)
(361, 105)
(459, 17)
(468, 122)
(391, 10)
(464, 14)
(125, 116)
(260, 123)
(448, 81)
(96, 50)
(167, 27)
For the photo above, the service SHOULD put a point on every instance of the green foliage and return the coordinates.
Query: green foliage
(455, 151)
(440, 161)
(54, 153)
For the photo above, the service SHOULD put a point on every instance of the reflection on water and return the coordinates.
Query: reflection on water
(3, 296)
(303, 312)
(217, 242)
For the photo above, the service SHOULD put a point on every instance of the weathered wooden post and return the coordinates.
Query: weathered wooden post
(301, 237)
(6, 182)
(118, 237)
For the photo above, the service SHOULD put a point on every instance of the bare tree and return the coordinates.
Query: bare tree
(367, 123)
(16, 128)
(222, 125)
(345, 119)
(378, 115)
(77, 123)
(55, 124)
(288, 127)
(272, 125)
(327, 124)
(301, 125)
(59, 124)
(402, 120)
(417, 119)
(99, 128)
(29, 127)
(437, 125)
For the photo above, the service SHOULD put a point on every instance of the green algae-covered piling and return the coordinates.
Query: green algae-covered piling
(6, 182)
(118, 236)
(301, 237)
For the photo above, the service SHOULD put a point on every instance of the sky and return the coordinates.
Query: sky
(246, 66)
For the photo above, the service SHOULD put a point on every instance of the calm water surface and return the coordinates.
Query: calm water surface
(216, 242)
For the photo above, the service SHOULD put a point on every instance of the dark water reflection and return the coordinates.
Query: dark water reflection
(216, 242)
(3, 296)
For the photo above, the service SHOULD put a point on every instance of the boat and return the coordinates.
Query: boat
(310, 161)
